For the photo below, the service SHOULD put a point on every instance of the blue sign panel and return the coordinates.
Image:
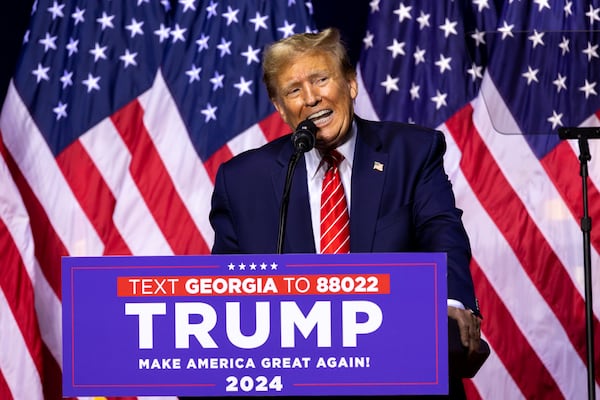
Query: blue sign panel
(268, 325)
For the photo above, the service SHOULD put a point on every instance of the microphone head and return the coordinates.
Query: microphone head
(305, 136)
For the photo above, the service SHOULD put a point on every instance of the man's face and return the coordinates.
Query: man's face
(313, 86)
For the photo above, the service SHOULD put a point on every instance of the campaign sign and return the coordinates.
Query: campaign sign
(250, 325)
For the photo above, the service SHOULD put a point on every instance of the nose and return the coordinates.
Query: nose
(311, 97)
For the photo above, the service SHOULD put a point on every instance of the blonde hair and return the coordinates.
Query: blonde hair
(277, 55)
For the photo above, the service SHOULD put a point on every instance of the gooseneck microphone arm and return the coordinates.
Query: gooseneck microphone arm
(303, 140)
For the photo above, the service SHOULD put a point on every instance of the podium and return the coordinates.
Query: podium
(255, 325)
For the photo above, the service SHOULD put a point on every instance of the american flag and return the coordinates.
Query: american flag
(499, 78)
(112, 130)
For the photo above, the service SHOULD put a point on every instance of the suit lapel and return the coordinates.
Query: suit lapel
(299, 234)
(368, 176)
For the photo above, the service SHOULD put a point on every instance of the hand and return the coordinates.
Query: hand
(469, 326)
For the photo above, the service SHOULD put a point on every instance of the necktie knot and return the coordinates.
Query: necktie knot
(333, 159)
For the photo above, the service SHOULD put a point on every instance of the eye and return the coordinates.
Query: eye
(322, 80)
(292, 92)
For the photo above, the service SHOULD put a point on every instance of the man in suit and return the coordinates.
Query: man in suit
(398, 195)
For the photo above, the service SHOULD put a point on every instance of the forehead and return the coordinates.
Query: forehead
(302, 66)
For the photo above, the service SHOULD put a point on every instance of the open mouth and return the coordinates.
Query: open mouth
(321, 117)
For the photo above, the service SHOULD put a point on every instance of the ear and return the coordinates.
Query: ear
(353, 85)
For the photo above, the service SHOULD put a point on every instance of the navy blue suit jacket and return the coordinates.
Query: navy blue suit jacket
(409, 206)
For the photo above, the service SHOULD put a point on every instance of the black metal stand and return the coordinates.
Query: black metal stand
(285, 201)
(586, 228)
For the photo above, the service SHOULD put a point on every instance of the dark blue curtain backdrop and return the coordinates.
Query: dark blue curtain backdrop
(349, 17)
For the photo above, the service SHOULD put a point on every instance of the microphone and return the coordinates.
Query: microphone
(304, 137)
(304, 140)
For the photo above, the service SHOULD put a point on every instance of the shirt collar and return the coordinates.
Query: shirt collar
(313, 157)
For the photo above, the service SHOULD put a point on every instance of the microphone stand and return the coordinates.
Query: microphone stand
(586, 227)
(303, 140)
(582, 135)
(286, 199)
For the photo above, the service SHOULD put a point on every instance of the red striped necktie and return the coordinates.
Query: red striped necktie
(335, 220)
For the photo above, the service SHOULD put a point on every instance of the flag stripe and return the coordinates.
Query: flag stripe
(18, 293)
(563, 167)
(501, 267)
(4, 389)
(93, 194)
(107, 150)
(495, 193)
(52, 376)
(16, 360)
(49, 248)
(153, 181)
(528, 371)
(535, 188)
(172, 141)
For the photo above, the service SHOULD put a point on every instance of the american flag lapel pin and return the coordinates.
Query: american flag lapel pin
(377, 166)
